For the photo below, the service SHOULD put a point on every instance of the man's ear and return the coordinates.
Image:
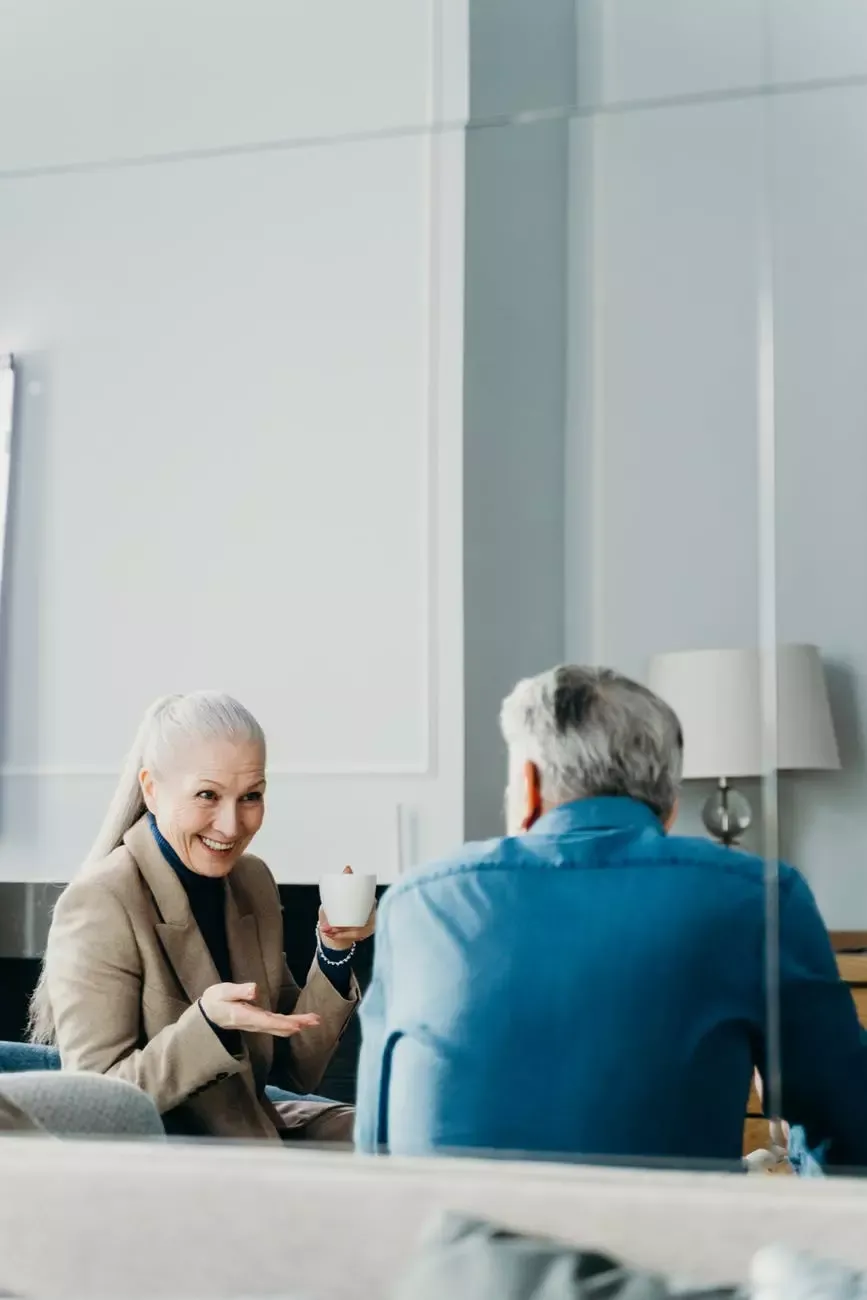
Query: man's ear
(532, 795)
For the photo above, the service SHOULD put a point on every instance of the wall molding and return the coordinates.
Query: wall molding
(47, 772)
(423, 761)
(438, 278)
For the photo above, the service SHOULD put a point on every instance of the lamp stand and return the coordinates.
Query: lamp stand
(726, 814)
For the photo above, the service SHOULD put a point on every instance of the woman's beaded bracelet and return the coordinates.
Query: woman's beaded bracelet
(329, 961)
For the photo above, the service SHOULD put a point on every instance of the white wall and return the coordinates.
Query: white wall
(820, 186)
(634, 53)
(231, 269)
(662, 482)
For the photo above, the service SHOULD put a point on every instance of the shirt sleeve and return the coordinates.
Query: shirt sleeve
(230, 1038)
(340, 977)
(823, 1049)
(372, 1091)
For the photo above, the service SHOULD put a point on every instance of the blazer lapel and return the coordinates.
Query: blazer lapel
(181, 938)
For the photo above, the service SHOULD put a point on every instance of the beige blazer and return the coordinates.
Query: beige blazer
(125, 965)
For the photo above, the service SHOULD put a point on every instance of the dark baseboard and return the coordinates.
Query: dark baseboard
(18, 977)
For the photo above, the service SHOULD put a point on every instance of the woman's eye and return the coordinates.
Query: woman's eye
(206, 794)
(255, 796)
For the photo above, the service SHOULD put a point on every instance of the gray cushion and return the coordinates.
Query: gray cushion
(778, 1273)
(465, 1259)
(83, 1105)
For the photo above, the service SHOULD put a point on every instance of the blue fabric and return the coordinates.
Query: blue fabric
(596, 987)
(16, 1058)
(806, 1163)
(340, 977)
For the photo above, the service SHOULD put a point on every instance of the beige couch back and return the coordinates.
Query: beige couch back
(112, 1219)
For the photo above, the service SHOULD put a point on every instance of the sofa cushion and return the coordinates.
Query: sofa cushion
(469, 1259)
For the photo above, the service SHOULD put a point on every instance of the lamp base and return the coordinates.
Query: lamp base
(726, 814)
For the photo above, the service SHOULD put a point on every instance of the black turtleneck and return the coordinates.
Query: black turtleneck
(207, 899)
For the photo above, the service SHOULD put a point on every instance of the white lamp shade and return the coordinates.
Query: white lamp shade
(717, 696)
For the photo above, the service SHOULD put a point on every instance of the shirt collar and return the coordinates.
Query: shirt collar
(604, 813)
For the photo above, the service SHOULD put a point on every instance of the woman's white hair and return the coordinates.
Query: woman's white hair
(591, 732)
(169, 725)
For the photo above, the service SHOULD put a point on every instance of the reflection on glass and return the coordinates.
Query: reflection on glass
(598, 57)
(7, 431)
(814, 206)
(549, 413)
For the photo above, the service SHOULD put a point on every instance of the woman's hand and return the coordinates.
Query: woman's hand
(233, 1006)
(343, 938)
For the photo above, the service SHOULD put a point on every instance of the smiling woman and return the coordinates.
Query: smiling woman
(164, 964)
(210, 812)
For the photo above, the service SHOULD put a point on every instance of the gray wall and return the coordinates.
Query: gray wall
(521, 57)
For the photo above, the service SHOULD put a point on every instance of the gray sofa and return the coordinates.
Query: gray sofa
(214, 1220)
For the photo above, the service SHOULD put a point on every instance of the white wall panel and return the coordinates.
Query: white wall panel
(234, 360)
(663, 506)
(820, 210)
(669, 348)
(99, 80)
(817, 39)
(239, 457)
(632, 50)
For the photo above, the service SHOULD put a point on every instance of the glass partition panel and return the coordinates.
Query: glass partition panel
(617, 309)
(527, 296)
(812, 519)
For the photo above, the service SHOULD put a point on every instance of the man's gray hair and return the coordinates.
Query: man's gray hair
(591, 732)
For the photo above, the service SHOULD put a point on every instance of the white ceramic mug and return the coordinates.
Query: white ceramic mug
(348, 899)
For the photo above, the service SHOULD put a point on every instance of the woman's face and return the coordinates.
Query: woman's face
(211, 804)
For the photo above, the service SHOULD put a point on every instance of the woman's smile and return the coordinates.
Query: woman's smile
(217, 846)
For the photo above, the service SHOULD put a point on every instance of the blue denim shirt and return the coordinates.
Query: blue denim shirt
(596, 988)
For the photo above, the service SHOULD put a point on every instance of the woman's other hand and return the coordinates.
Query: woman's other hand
(233, 1006)
(343, 937)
